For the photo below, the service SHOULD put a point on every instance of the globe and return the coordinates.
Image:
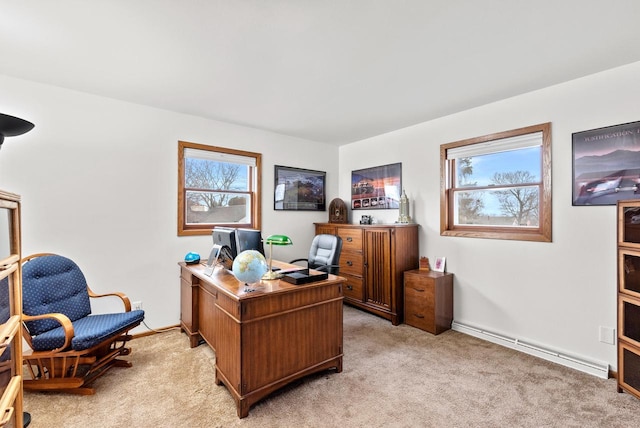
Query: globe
(249, 266)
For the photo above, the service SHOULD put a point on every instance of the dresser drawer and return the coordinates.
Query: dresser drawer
(422, 297)
(351, 239)
(418, 311)
(353, 288)
(351, 263)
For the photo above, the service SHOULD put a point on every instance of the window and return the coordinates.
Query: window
(498, 186)
(217, 187)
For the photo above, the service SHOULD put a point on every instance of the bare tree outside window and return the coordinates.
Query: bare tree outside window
(521, 203)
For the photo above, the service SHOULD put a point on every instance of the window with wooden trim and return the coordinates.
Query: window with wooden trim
(217, 187)
(498, 186)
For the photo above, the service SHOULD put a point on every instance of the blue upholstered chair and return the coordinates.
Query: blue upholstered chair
(70, 346)
(324, 254)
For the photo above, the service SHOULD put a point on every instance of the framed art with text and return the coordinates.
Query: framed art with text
(606, 164)
(298, 189)
(376, 188)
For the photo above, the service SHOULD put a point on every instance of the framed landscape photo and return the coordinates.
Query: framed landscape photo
(298, 189)
(376, 188)
(606, 164)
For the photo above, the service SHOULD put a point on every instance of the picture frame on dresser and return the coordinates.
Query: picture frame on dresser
(439, 266)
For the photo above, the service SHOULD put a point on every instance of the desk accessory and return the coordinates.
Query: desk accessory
(303, 276)
(275, 240)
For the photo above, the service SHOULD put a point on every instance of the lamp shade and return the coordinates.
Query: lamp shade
(11, 126)
(278, 240)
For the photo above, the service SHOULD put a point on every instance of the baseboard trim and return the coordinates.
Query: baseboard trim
(594, 368)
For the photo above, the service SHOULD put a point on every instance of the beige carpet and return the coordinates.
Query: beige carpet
(393, 377)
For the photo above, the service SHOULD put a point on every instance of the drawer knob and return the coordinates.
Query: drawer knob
(350, 287)
(349, 263)
(349, 239)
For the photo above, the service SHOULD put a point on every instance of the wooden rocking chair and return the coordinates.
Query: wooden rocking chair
(70, 346)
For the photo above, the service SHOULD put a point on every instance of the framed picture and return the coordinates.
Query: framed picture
(439, 265)
(376, 188)
(298, 189)
(606, 164)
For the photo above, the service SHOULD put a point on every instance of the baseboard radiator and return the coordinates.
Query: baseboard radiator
(598, 369)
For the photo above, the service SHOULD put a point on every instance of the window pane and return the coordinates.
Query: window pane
(214, 175)
(514, 166)
(217, 208)
(504, 207)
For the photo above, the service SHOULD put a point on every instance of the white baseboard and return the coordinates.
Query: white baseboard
(596, 368)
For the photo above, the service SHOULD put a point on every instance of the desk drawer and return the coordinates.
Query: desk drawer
(351, 239)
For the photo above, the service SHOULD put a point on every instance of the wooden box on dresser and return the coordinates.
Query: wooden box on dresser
(373, 261)
(11, 312)
(629, 296)
(428, 300)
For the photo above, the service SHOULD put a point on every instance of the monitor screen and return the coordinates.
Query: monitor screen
(249, 239)
(226, 238)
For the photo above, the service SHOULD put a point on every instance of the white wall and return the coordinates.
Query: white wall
(98, 180)
(554, 294)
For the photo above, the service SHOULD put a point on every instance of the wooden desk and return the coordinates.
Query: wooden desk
(266, 338)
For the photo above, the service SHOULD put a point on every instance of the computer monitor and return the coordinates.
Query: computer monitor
(249, 239)
(226, 238)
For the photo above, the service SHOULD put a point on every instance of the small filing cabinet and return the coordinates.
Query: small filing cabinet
(428, 300)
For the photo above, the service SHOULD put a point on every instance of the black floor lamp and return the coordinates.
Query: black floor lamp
(11, 126)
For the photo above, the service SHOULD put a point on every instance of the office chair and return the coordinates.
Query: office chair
(324, 254)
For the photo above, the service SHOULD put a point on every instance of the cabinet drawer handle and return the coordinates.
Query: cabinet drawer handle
(349, 239)
(350, 287)
(419, 289)
(418, 315)
(349, 263)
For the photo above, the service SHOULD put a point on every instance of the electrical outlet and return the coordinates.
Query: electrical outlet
(136, 305)
(607, 335)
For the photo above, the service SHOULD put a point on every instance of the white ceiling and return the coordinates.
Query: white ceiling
(335, 71)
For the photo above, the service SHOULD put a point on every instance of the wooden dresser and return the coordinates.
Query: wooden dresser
(373, 261)
(428, 300)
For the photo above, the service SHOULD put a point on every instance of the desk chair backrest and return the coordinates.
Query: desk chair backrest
(53, 284)
(325, 251)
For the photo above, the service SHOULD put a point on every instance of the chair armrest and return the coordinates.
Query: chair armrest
(64, 321)
(121, 296)
(299, 260)
(326, 267)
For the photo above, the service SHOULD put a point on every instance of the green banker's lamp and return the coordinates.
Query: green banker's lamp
(275, 240)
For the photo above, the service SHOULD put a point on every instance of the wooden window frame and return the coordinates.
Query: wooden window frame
(447, 176)
(255, 189)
